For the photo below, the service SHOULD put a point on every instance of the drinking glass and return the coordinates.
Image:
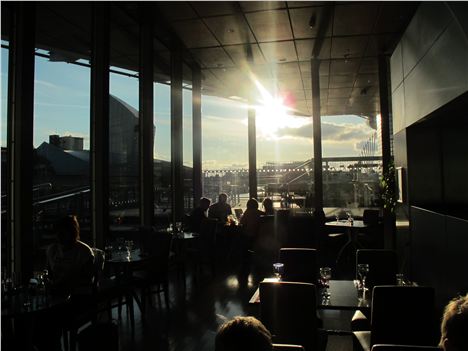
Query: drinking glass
(362, 270)
(278, 269)
(129, 247)
(178, 227)
(325, 276)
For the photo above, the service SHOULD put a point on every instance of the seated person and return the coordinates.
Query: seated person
(250, 221)
(243, 333)
(268, 206)
(198, 214)
(221, 209)
(70, 261)
(455, 325)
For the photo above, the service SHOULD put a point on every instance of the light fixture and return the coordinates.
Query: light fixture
(312, 21)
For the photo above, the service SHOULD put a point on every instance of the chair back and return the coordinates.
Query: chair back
(99, 260)
(382, 266)
(157, 247)
(392, 347)
(288, 310)
(370, 217)
(300, 264)
(403, 315)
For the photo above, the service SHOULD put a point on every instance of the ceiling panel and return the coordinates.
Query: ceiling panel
(369, 65)
(339, 93)
(344, 66)
(284, 69)
(305, 47)
(212, 57)
(342, 81)
(283, 51)
(195, 34)
(213, 8)
(363, 80)
(348, 47)
(394, 16)
(270, 25)
(290, 84)
(176, 10)
(380, 44)
(249, 6)
(301, 20)
(323, 69)
(357, 18)
(238, 53)
(230, 30)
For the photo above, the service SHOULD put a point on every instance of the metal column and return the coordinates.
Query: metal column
(177, 136)
(100, 124)
(252, 154)
(146, 117)
(20, 139)
(318, 184)
(197, 135)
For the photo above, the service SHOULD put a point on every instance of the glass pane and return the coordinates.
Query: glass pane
(4, 68)
(284, 156)
(352, 163)
(162, 154)
(225, 150)
(61, 139)
(124, 211)
(188, 149)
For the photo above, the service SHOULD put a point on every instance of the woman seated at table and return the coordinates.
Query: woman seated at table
(70, 261)
(268, 206)
(199, 214)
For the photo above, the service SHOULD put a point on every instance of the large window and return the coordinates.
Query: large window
(225, 150)
(284, 156)
(352, 161)
(4, 98)
(162, 153)
(187, 125)
(61, 146)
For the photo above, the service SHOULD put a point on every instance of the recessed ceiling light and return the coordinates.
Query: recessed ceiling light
(230, 30)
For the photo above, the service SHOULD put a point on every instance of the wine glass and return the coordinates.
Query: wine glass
(278, 269)
(325, 275)
(362, 270)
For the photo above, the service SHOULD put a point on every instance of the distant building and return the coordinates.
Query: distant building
(67, 142)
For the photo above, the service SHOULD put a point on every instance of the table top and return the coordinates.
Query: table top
(347, 224)
(343, 296)
(123, 257)
(25, 303)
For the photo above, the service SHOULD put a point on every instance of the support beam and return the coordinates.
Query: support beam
(252, 153)
(318, 183)
(177, 137)
(146, 132)
(20, 139)
(100, 124)
(197, 135)
(388, 217)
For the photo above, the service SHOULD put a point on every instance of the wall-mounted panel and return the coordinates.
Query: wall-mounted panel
(441, 76)
(398, 109)
(396, 67)
(427, 24)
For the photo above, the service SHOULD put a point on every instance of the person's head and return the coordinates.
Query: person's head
(268, 204)
(252, 204)
(68, 230)
(455, 325)
(222, 198)
(204, 203)
(243, 333)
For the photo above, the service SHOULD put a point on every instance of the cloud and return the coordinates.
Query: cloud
(331, 132)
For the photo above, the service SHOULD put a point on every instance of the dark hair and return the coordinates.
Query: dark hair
(252, 204)
(204, 201)
(268, 204)
(243, 333)
(222, 196)
(68, 230)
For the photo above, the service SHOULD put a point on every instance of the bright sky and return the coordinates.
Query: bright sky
(62, 98)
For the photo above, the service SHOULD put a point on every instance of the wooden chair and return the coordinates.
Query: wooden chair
(300, 264)
(403, 315)
(288, 311)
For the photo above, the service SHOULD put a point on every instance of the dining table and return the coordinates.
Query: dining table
(343, 295)
(352, 229)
